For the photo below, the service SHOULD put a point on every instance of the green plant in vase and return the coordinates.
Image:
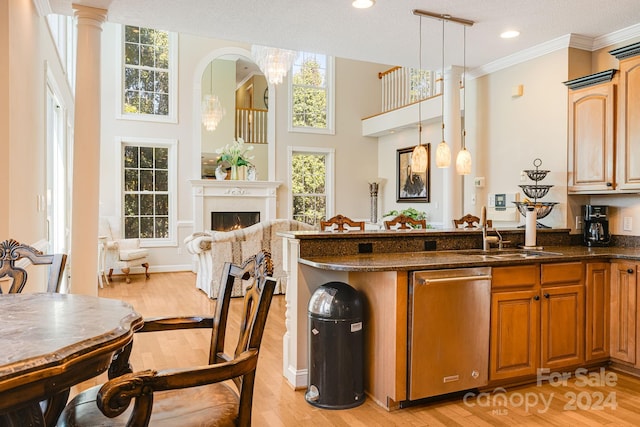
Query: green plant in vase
(409, 212)
(235, 155)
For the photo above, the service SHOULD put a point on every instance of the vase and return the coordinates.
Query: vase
(234, 172)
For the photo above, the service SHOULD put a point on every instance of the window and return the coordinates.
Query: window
(311, 177)
(63, 33)
(149, 79)
(148, 181)
(311, 94)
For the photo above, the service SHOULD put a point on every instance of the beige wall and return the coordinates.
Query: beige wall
(27, 49)
(5, 119)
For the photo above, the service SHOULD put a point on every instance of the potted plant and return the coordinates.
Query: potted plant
(235, 155)
(409, 212)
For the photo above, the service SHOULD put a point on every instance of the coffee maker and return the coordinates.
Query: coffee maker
(595, 226)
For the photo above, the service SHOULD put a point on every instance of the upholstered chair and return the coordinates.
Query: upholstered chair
(121, 254)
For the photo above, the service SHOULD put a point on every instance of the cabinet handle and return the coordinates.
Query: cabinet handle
(537, 297)
(630, 271)
(546, 295)
(609, 184)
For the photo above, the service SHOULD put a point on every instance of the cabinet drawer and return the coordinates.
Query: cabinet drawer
(561, 273)
(522, 276)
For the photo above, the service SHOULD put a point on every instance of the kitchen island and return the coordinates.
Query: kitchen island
(382, 273)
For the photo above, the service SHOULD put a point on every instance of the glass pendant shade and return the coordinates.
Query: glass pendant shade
(274, 63)
(419, 159)
(463, 162)
(443, 155)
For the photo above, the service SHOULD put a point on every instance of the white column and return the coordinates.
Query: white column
(452, 182)
(86, 152)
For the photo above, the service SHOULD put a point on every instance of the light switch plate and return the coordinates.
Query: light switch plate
(627, 223)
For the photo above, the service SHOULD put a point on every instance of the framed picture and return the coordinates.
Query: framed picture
(412, 186)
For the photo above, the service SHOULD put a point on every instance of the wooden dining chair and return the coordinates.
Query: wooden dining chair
(196, 396)
(339, 222)
(12, 252)
(403, 222)
(470, 221)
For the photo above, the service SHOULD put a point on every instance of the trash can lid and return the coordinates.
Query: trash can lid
(336, 300)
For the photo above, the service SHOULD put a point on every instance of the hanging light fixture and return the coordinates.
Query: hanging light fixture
(212, 109)
(419, 156)
(463, 160)
(274, 63)
(443, 153)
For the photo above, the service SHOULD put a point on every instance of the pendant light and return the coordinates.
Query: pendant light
(463, 160)
(443, 153)
(419, 155)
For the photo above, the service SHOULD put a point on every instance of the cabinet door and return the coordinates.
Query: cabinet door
(591, 139)
(515, 334)
(597, 311)
(562, 326)
(623, 311)
(628, 135)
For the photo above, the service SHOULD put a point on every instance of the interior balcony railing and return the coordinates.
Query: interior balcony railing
(251, 125)
(402, 86)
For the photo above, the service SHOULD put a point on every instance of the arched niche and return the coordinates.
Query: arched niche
(220, 67)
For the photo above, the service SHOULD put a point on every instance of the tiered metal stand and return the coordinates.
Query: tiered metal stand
(536, 191)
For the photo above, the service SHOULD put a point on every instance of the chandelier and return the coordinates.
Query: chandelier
(212, 109)
(274, 63)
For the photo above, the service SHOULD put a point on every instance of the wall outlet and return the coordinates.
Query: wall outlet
(578, 222)
(627, 223)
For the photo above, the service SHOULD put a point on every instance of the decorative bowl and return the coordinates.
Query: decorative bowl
(535, 191)
(542, 208)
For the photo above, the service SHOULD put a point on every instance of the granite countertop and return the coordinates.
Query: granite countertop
(430, 260)
(427, 232)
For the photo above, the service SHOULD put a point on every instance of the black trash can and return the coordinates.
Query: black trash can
(336, 347)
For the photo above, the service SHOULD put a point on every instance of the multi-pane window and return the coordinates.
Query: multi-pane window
(309, 187)
(146, 191)
(312, 93)
(146, 71)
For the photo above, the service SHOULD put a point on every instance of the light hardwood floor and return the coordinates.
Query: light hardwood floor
(277, 404)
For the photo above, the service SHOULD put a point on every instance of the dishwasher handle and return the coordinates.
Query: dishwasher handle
(453, 279)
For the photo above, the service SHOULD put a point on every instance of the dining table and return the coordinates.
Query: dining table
(50, 342)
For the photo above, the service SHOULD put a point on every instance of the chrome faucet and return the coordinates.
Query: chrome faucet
(488, 240)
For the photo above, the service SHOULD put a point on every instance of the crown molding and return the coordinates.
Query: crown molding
(570, 40)
(615, 37)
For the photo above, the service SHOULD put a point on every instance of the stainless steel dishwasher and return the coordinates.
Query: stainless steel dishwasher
(449, 313)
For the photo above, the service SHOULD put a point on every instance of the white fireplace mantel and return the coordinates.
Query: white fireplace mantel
(230, 195)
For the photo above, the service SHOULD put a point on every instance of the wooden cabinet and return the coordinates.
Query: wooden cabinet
(628, 125)
(537, 319)
(597, 311)
(591, 155)
(623, 311)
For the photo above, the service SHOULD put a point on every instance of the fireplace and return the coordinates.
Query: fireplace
(227, 221)
(212, 195)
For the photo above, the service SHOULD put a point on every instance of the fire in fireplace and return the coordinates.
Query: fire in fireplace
(227, 221)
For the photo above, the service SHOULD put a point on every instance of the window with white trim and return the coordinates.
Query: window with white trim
(148, 84)
(311, 177)
(148, 182)
(311, 94)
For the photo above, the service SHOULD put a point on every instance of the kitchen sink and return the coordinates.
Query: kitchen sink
(507, 253)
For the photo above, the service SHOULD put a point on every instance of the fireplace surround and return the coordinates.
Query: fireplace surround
(210, 195)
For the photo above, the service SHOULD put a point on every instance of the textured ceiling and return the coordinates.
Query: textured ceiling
(388, 32)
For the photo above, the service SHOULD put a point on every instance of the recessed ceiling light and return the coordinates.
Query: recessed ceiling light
(510, 34)
(363, 4)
